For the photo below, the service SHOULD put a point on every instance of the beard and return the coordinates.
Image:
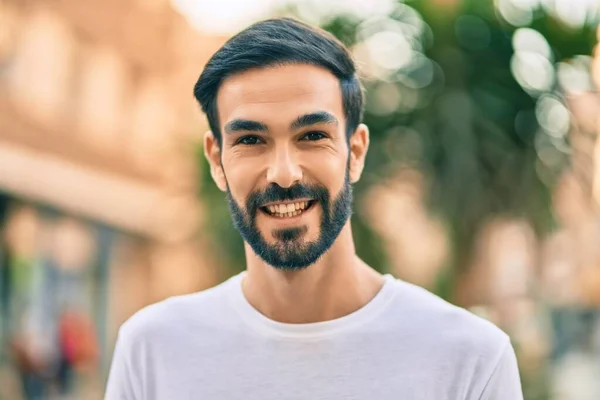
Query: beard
(290, 252)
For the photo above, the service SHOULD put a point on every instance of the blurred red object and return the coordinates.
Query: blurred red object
(78, 341)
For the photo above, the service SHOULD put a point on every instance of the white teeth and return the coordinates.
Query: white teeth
(287, 210)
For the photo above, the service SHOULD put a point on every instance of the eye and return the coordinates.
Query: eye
(314, 136)
(249, 140)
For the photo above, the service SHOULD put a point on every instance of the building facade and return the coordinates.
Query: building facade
(99, 134)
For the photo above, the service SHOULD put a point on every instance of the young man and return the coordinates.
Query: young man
(307, 319)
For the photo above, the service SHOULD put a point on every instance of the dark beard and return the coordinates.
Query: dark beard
(291, 253)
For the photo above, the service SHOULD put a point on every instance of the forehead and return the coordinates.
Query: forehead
(279, 94)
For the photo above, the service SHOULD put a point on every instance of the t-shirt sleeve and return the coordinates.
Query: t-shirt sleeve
(504, 383)
(120, 385)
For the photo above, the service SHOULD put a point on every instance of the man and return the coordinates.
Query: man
(307, 319)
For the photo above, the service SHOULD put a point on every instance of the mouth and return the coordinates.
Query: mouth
(288, 209)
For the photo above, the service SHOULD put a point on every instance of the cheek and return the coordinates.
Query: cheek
(329, 170)
(241, 178)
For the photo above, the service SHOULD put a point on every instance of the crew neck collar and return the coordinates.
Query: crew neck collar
(309, 330)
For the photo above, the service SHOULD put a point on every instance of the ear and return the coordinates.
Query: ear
(212, 152)
(359, 145)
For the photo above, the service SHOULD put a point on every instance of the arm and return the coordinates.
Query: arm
(504, 383)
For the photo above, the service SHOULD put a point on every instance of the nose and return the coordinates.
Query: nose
(284, 169)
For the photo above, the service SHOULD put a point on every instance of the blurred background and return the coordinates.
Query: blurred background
(482, 181)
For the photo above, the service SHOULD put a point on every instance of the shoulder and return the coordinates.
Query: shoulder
(176, 315)
(445, 326)
(447, 338)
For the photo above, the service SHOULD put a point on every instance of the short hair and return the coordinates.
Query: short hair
(277, 42)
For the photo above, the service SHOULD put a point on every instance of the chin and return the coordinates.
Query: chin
(292, 266)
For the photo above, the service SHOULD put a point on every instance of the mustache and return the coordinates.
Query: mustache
(276, 193)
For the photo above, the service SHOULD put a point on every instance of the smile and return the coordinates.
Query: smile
(287, 209)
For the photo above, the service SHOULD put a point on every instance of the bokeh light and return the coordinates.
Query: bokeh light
(552, 116)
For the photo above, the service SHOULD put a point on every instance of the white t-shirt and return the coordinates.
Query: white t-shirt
(405, 344)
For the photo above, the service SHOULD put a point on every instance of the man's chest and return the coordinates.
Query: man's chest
(265, 374)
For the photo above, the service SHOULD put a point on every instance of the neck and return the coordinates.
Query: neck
(338, 284)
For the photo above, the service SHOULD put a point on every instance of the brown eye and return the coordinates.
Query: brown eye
(249, 140)
(314, 136)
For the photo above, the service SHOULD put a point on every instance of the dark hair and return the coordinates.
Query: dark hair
(280, 41)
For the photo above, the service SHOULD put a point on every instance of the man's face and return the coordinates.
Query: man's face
(285, 161)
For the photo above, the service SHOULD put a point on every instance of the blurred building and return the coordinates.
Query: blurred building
(98, 162)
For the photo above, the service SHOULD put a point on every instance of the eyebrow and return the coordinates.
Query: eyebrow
(245, 125)
(319, 117)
